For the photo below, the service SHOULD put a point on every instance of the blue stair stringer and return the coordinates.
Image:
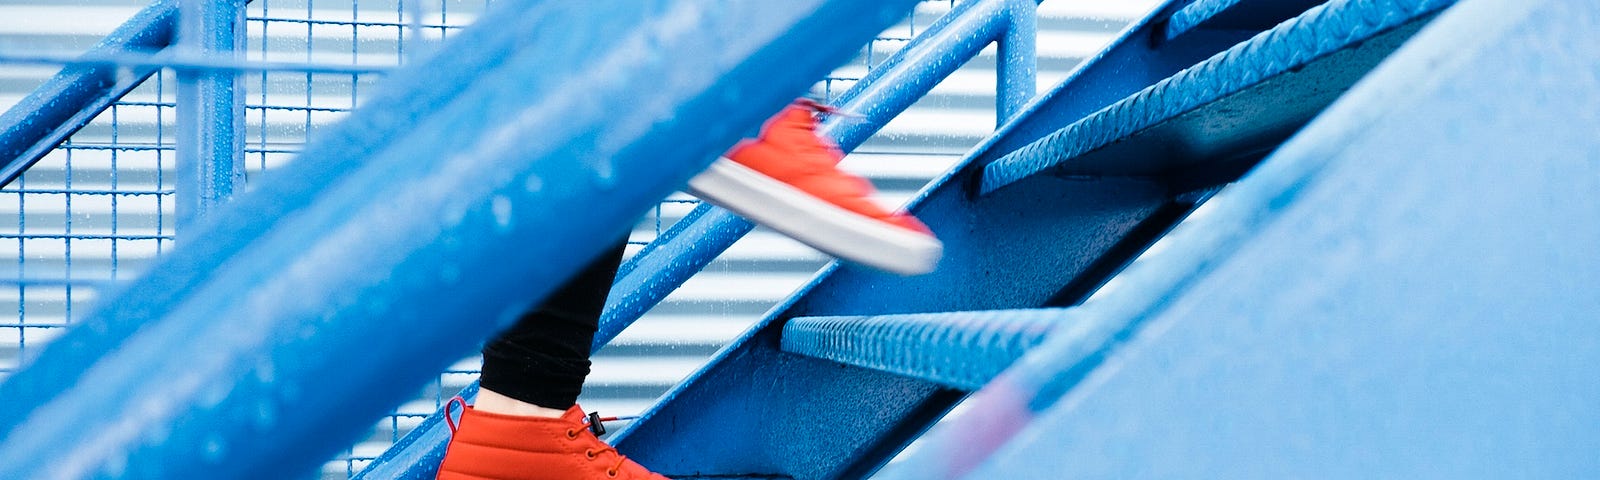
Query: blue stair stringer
(1402, 290)
(759, 411)
(314, 302)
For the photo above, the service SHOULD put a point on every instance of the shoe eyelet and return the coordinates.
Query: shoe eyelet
(590, 453)
(611, 473)
(572, 434)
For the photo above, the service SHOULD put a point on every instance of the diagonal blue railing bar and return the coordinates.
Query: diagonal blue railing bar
(1403, 351)
(1235, 15)
(697, 239)
(1285, 50)
(459, 193)
(70, 99)
(961, 350)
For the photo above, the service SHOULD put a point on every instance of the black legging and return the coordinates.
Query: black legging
(544, 358)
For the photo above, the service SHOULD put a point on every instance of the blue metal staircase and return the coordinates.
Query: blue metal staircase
(1392, 274)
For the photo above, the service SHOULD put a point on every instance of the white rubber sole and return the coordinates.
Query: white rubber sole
(814, 222)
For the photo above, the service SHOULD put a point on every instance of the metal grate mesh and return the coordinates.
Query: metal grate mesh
(95, 210)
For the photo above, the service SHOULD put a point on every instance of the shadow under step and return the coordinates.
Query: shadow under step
(1234, 15)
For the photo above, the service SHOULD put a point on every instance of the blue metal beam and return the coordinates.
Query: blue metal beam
(210, 133)
(463, 191)
(70, 99)
(1314, 58)
(697, 239)
(962, 350)
(1313, 321)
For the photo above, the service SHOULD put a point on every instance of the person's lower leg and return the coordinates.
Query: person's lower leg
(525, 424)
(537, 367)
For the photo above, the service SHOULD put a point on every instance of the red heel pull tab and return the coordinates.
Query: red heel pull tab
(451, 421)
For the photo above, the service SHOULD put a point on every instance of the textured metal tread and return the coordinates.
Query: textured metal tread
(1289, 47)
(957, 349)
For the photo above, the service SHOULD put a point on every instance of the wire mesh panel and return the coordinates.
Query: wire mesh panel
(95, 210)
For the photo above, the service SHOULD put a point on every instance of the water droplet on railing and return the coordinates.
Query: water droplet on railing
(215, 446)
(501, 207)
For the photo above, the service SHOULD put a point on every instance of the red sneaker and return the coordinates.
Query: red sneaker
(492, 446)
(788, 179)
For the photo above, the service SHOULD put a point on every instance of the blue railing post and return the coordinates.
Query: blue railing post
(466, 188)
(210, 134)
(1016, 62)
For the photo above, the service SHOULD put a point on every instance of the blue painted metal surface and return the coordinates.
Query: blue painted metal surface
(1243, 123)
(961, 350)
(1365, 304)
(348, 277)
(1017, 71)
(807, 418)
(210, 133)
(1235, 15)
(68, 100)
(694, 241)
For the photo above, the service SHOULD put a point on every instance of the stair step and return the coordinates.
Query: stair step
(962, 350)
(1235, 15)
(1239, 102)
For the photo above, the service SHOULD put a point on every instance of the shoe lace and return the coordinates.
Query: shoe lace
(595, 423)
